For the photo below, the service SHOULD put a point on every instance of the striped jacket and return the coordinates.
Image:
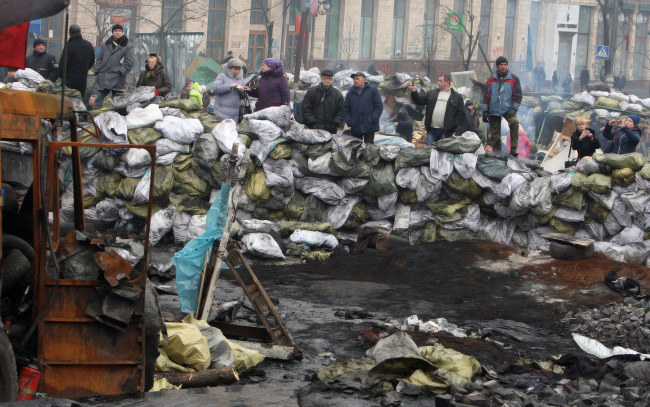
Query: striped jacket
(499, 98)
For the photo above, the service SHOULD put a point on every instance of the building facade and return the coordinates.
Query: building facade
(394, 35)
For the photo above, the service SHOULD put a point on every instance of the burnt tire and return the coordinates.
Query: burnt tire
(569, 252)
(8, 373)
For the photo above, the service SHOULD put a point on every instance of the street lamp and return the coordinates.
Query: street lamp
(326, 7)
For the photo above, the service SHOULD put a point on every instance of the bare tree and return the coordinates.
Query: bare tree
(425, 59)
(264, 7)
(607, 9)
(468, 41)
(350, 40)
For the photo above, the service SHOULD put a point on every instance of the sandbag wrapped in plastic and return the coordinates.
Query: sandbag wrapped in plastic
(161, 223)
(465, 164)
(146, 117)
(635, 202)
(353, 185)
(279, 115)
(468, 142)
(180, 227)
(141, 94)
(314, 239)
(585, 98)
(302, 134)
(471, 221)
(508, 185)
(441, 164)
(338, 214)
(141, 194)
(165, 146)
(262, 245)
(485, 182)
(167, 159)
(257, 226)
(261, 149)
(325, 190)
(109, 209)
(136, 157)
(632, 253)
(348, 148)
(112, 127)
(500, 230)
(619, 96)
(260, 129)
(206, 150)
(278, 173)
(226, 135)
(29, 74)
(408, 178)
(629, 235)
(182, 131)
(426, 191)
(321, 165)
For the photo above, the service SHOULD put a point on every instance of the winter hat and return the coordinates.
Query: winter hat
(117, 27)
(357, 74)
(327, 73)
(635, 118)
(468, 103)
(502, 60)
(235, 62)
(273, 63)
(74, 29)
(38, 41)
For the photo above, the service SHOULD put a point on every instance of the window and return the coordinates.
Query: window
(365, 32)
(641, 46)
(258, 8)
(332, 23)
(584, 26)
(484, 24)
(172, 14)
(216, 30)
(620, 62)
(399, 15)
(290, 51)
(49, 29)
(430, 10)
(457, 36)
(509, 35)
(256, 47)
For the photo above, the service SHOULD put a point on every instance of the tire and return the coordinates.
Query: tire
(568, 252)
(8, 373)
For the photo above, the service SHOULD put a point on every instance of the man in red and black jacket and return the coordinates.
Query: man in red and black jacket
(502, 98)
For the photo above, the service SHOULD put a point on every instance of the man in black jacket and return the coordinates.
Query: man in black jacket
(81, 57)
(321, 107)
(42, 62)
(445, 109)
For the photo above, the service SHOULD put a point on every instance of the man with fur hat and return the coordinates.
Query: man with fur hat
(502, 99)
(42, 62)
(113, 64)
(626, 138)
(321, 107)
(81, 57)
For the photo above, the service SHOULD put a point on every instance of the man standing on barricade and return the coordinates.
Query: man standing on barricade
(362, 109)
(502, 99)
(322, 106)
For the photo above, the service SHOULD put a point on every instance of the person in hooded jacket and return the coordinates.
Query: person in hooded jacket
(154, 75)
(626, 138)
(322, 105)
(81, 57)
(404, 126)
(272, 88)
(229, 90)
(115, 61)
(42, 62)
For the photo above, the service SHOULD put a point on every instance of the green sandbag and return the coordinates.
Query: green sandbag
(407, 197)
(299, 250)
(141, 210)
(272, 204)
(90, 201)
(217, 175)
(631, 160)
(276, 216)
(599, 183)
(554, 106)
(578, 181)
(448, 235)
(570, 105)
(287, 228)
(543, 220)
(370, 154)
(182, 162)
(645, 171)
(607, 102)
(245, 139)
(126, 189)
(560, 226)
(143, 135)
(413, 157)
(102, 109)
(107, 184)
(464, 186)
(187, 182)
(318, 255)
(457, 145)
(163, 182)
(430, 233)
(282, 151)
(84, 152)
(194, 205)
(449, 210)
(623, 176)
(296, 206)
(48, 86)
(315, 210)
(208, 120)
(313, 151)
(256, 188)
(550, 98)
(382, 180)
(186, 105)
(571, 198)
(358, 216)
(105, 162)
(339, 166)
(596, 212)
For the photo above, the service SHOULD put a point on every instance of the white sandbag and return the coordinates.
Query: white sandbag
(338, 214)
(279, 115)
(505, 212)
(634, 98)
(623, 105)
(536, 242)
(570, 214)
(196, 226)
(633, 107)
(376, 213)
(635, 202)
(632, 253)
(264, 129)
(471, 221)
(641, 182)
(402, 218)
(112, 127)
(645, 102)
(599, 93)
(408, 178)
(129, 172)
(172, 111)
(167, 159)
(137, 157)
(622, 214)
(180, 227)
(226, 135)
(427, 191)
(314, 239)
(389, 152)
(321, 165)
(629, 235)
(595, 230)
(619, 96)
(611, 225)
(161, 223)
(30, 75)
(509, 183)
(182, 131)
(465, 164)
(606, 199)
(21, 86)
(260, 149)
(500, 231)
(109, 209)
(165, 146)
(301, 134)
(325, 190)
(441, 164)
(262, 245)
(585, 98)
(141, 194)
(614, 115)
(419, 216)
(382, 225)
(257, 226)
(485, 182)
(146, 117)
(278, 173)
(309, 78)
(540, 196)
(387, 202)
(352, 185)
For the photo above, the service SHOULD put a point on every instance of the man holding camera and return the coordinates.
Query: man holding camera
(502, 99)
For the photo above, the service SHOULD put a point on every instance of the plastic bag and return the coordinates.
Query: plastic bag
(262, 245)
(182, 131)
(186, 345)
(161, 223)
(146, 117)
(314, 239)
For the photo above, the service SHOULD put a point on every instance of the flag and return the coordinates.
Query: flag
(13, 45)
(313, 7)
(297, 19)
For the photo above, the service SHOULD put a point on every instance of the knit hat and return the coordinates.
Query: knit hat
(502, 60)
(635, 118)
(327, 73)
(273, 63)
(235, 62)
(117, 27)
(74, 29)
(38, 41)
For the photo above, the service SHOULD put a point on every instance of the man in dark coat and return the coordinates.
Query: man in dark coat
(362, 109)
(42, 62)
(584, 77)
(445, 109)
(115, 61)
(323, 104)
(81, 57)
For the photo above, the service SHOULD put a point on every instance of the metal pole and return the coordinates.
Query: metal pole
(612, 41)
(311, 43)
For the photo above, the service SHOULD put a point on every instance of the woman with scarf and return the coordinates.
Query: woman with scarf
(273, 88)
(229, 89)
(154, 75)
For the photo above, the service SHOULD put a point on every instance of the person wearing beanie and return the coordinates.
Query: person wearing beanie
(81, 57)
(273, 87)
(154, 75)
(228, 89)
(323, 104)
(625, 137)
(42, 62)
(502, 99)
(114, 62)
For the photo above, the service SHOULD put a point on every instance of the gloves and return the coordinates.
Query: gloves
(486, 117)
(156, 92)
(510, 113)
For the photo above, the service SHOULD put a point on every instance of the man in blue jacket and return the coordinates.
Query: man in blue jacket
(362, 108)
(502, 99)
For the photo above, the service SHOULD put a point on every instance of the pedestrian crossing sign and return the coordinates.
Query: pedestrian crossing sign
(602, 52)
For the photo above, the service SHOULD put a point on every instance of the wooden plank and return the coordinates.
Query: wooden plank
(568, 239)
